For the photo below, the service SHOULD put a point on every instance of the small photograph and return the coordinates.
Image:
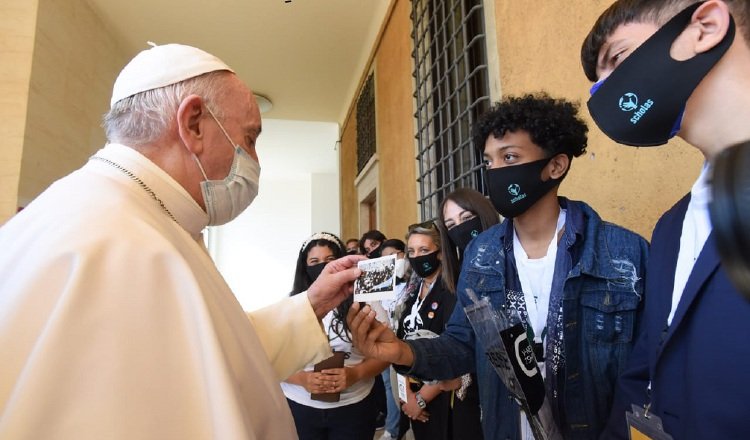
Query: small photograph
(377, 281)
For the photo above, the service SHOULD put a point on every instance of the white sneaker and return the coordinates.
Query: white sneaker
(387, 436)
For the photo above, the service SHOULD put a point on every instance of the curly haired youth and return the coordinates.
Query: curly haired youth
(552, 123)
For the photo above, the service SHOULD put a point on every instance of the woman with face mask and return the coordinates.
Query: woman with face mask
(463, 215)
(423, 311)
(353, 415)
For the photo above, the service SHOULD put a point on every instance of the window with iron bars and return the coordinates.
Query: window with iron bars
(366, 124)
(451, 91)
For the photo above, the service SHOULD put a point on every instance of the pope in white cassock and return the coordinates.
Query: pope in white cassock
(114, 321)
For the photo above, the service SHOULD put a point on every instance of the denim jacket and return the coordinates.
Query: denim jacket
(602, 288)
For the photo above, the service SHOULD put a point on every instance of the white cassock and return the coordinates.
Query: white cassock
(116, 324)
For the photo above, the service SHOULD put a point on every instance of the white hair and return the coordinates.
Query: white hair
(144, 117)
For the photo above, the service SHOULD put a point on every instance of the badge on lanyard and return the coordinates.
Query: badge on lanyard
(401, 381)
(645, 426)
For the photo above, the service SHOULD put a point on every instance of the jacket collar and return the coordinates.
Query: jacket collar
(580, 221)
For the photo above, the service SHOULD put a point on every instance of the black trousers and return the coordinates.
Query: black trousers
(466, 415)
(350, 422)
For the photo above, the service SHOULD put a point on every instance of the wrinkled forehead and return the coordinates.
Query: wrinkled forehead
(239, 104)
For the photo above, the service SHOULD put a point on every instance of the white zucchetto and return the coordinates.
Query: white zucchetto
(161, 66)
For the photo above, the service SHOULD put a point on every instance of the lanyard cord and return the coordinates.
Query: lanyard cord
(537, 303)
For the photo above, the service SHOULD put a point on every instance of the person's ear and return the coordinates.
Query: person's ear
(190, 115)
(558, 166)
(708, 27)
(712, 19)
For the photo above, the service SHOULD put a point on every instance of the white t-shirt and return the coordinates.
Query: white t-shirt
(536, 281)
(355, 393)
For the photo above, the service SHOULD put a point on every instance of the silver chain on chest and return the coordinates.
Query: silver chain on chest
(140, 182)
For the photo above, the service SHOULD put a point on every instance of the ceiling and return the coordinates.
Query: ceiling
(306, 56)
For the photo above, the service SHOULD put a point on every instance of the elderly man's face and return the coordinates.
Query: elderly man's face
(241, 120)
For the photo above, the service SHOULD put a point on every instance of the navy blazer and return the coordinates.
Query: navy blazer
(698, 367)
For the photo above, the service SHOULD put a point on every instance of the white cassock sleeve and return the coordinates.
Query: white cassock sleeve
(290, 334)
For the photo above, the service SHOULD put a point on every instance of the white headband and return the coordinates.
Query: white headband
(323, 236)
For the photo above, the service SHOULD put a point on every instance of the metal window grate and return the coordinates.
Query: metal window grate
(451, 91)
(366, 123)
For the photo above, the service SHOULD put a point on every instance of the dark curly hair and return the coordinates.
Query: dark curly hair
(552, 123)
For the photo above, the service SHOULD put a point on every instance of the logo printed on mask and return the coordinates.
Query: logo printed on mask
(464, 232)
(641, 111)
(515, 190)
(525, 180)
(425, 265)
(628, 102)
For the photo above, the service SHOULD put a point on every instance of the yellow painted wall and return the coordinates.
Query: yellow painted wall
(347, 174)
(538, 49)
(17, 29)
(75, 63)
(396, 190)
(539, 45)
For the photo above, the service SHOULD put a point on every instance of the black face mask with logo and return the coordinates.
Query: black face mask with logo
(642, 102)
(514, 189)
(425, 265)
(315, 270)
(462, 234)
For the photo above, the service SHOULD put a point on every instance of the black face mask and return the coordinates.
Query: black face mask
(642, 101)
(514, 189)
(465, 232)
(375, 253)
(314, 271)
(351, 252)
(425, 265)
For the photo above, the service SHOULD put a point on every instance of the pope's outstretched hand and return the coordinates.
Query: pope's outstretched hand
(334, 284)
